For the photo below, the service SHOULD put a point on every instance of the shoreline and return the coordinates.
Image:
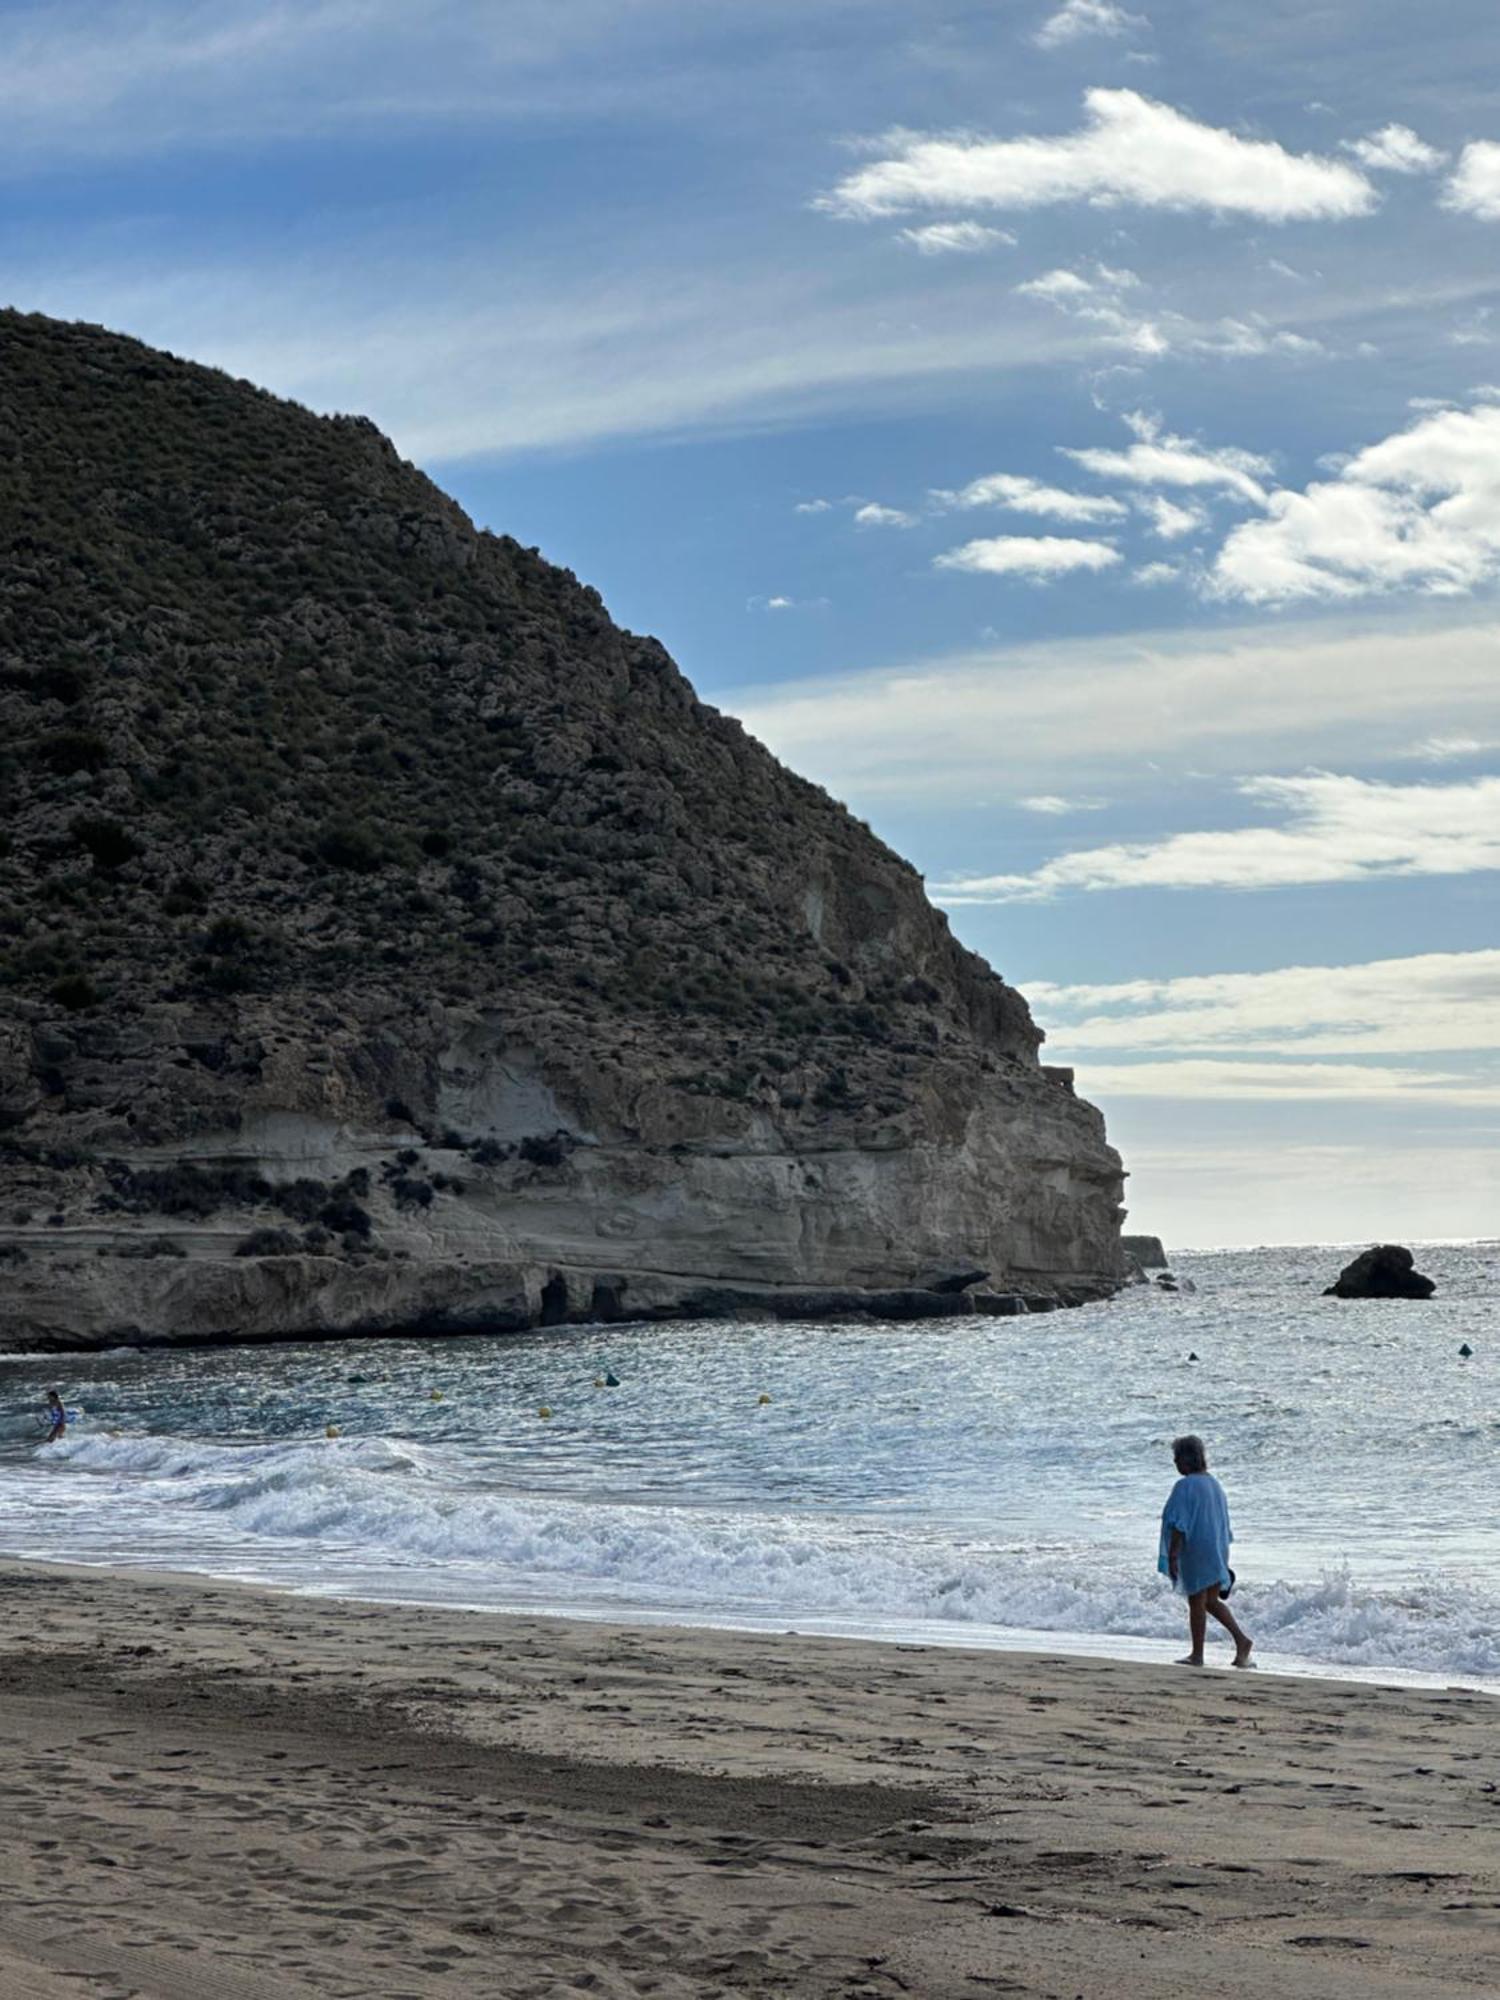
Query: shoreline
(245, 1791)
(1005, 1642)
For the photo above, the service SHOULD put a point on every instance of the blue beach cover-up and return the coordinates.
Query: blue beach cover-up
(1198, 1509)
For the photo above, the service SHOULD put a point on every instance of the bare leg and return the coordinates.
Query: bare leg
(1215, 1606)
(1197, 1627)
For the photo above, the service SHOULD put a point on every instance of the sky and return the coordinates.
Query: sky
(1069, 431)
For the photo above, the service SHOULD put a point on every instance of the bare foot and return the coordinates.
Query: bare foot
(1189, 1660)
(1242, 1654)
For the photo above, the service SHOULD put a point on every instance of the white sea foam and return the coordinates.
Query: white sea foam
(385, 1501)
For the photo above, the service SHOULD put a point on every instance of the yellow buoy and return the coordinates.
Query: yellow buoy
(435, 1396)
(544, 1411)
(761, 1401)
(598, 1381)
(332, 1431)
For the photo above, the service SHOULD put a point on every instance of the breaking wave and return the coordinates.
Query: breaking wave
(377, 1504)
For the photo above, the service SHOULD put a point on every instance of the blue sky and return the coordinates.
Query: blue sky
(1070, 431)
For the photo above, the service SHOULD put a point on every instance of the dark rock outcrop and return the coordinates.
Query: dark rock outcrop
(1146, 1251)
(1384, 1272)
(957, 1281)
(388, 940)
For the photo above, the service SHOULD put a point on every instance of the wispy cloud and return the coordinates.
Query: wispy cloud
(1080, 20)
(1335, 829)
(1101, 714)
(1215, 1078)
(1427, 1003)
(1131, 152)
(1057, 807)
(1157, 458)
(1030, 496)
(584, 340)
(78, 79)
(1037, 558)
(1109, 302)
(946, 239)
(874, 515)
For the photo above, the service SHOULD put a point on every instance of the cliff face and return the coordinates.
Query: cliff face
(389, 940)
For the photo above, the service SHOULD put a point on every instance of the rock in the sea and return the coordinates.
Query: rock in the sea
(391, 942)
(1384, 1272)
(1146, 1251)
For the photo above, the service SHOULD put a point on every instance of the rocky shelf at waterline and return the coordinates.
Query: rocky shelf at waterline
(388, 940)
(258, 1307)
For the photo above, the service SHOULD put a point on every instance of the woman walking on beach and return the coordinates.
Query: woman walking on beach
(1195, 1538)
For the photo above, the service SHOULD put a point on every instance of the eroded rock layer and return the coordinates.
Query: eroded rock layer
(389, 941)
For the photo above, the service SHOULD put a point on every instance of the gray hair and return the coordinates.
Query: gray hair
(1189, 1454)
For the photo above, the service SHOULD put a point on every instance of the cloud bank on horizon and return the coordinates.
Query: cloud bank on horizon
(1069, 431)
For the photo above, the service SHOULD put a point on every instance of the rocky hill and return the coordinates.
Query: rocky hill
(389, 940)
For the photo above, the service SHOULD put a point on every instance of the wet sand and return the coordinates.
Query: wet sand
(214, 1793)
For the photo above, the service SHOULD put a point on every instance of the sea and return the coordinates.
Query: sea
(977, 1482)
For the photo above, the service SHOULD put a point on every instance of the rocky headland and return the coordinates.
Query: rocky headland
(388, 941)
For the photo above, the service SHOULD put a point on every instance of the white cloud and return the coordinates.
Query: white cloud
(1035, 556)
(781, 602)
(938, 239)
(1092, 714)
(1131, 151)
(1419, 510)
(1075, 20)
(1336, 829)
(1053, 285)
(1395, 149)
(1158, 459)
(1055, 806)
(873, 515)
(813, 507)
(1152, 574)
(1432, 1002)
(1474, 186)
(1170, 520)
(1029, 496)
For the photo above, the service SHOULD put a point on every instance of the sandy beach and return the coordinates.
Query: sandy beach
(217, 1791)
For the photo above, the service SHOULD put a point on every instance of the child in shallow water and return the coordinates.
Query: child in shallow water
(1195, 1538)
(56, 1418)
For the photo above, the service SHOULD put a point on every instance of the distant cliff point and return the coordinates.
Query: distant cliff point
(388, 940)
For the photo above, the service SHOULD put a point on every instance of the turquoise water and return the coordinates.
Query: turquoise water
(983, 1481)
